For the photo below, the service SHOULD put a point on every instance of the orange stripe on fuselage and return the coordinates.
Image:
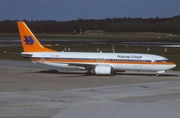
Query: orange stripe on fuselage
(96, 62)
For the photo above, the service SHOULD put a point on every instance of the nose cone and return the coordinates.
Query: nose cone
(172, 66)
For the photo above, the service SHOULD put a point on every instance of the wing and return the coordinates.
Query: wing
(86, 66)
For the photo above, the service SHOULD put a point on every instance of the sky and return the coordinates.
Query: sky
(66, 10)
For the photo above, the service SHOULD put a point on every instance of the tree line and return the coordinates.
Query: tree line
(160, 25)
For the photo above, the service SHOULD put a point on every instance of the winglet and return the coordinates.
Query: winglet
(29, 41)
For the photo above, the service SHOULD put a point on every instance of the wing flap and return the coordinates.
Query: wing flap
(86, 66)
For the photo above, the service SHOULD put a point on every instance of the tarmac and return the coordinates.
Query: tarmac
(29, 90)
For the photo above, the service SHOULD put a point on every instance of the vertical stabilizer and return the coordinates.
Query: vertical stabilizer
(29, 41)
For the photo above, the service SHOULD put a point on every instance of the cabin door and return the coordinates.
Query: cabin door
(153, 61)
(100, 60)
(42, 58)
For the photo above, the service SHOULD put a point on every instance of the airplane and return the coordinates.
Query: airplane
(94, 62)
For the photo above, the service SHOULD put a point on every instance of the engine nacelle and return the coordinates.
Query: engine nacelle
(103, 70)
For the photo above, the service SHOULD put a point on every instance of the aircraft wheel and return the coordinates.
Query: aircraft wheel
(88, 73)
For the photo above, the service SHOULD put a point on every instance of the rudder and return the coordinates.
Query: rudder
(29, 41)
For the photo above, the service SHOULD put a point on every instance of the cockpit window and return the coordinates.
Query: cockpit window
(164, 60)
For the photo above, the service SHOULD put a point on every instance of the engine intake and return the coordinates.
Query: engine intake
(103, 70)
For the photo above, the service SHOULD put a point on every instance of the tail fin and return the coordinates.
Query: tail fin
(29, 41)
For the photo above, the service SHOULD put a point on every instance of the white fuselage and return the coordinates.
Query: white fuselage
(99, 63)
(86, 60)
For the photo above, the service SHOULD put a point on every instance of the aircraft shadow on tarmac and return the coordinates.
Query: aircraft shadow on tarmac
(79, 73)
(145, 74)
(59, 72)
(83, 73)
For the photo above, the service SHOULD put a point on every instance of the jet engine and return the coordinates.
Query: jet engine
(103, 70)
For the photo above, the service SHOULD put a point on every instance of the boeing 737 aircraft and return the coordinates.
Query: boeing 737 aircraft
(94, 62)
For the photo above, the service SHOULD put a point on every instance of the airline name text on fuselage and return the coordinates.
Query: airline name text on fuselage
(129, 56)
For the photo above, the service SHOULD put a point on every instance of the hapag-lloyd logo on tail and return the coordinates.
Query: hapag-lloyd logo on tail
(28, 40)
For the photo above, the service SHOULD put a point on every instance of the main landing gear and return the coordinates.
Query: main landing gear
(90, 72)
